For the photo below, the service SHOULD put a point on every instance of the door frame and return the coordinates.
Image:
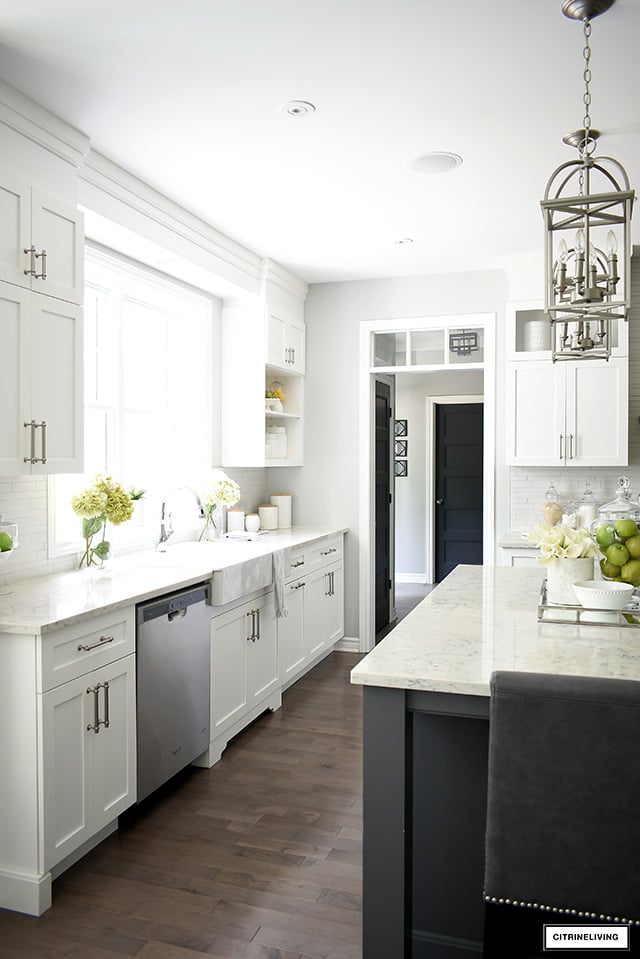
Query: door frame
(430, 510)
(366, 437)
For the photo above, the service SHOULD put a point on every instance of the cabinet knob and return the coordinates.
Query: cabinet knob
(440, 502)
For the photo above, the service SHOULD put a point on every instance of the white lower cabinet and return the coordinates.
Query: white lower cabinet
(314, 621)
(244, 669)
(89, 756)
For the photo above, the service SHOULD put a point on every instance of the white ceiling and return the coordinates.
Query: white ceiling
(186, 94)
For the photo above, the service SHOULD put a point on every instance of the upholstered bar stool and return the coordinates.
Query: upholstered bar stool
(563, 809)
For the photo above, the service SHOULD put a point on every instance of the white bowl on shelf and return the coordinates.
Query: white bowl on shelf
(603, 594)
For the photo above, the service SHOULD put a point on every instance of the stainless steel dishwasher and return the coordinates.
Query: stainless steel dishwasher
(173, 655)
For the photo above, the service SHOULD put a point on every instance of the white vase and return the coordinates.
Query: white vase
(562, 574)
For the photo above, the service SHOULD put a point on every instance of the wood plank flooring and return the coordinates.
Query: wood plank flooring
(256, 858)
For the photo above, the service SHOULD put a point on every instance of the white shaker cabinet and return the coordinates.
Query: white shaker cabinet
(89, 757)
(286, 340)
(41, 241)
(568, 413)
(41, 391)
(244, 669)
(67, 748)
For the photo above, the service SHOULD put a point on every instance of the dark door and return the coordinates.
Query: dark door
(383, 505)
(458, 486)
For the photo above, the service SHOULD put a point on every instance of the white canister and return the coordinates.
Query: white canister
(252, 522)
(268, 514)
(235, 520)
(283, 502)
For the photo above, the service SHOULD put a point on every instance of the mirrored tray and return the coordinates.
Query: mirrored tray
(583, 616)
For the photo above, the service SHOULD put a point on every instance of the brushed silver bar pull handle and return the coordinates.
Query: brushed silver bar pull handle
(31, 250)
(333, 586)
(105, 721)
(258, 624)
(326, 552)
(101, 642)
(327, 591)
(298, 585)
(32, 457)
(43, 445)
(561, 456)
(43, 256)
(251, 638)
(570, 446)
(300, 562)
(95, 726)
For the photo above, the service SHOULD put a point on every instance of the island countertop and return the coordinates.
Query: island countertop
(484, 618)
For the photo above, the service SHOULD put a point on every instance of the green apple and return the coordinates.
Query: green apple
(617, 553)
(625, 528)
(605, 535)
(633, 545)
(6, 543)
(608, 570)
(630, 572)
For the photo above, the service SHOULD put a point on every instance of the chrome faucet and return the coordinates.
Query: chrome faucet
(166, 529)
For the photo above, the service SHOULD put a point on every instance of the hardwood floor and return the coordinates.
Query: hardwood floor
(256, 858)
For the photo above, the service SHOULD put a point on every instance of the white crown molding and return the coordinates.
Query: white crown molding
(224, 255)
(31, 120)
(272, 272)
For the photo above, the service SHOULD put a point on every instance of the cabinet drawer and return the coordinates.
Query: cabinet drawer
(297, 562)
(74, 650)
(325, 552)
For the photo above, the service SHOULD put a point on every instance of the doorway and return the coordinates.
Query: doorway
(458, 486)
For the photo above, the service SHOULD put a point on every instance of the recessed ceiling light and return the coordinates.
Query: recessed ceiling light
(297, 108)
(439, 161)
(404, 240)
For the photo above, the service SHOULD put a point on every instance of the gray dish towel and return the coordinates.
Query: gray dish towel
(279, 594)
(563, 804)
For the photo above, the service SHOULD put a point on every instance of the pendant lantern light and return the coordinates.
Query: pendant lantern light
(587, 210)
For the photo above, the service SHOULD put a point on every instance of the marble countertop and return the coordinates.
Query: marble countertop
(38, 605)
(484, 618)
(515, 540)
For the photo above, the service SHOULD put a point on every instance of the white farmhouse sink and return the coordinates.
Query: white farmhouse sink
(236, 568)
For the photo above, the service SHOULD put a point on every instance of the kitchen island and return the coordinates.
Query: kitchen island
(426, 726)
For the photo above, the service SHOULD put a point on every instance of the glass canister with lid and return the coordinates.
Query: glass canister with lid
(617, 532)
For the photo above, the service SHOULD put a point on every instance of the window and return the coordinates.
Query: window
(148, 392)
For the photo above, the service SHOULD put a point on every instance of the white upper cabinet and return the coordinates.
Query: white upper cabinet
(568, 413)
(41, 241)
(285, 329)
(263, 345)
(41, 430)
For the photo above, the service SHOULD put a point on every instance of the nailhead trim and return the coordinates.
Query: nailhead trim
(557, 909)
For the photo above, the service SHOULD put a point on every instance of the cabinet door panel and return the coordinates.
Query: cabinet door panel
(15, 380)
(67, 769)
(114, 763)
(291, 644)
(263, 654)
(229, 643)
(316, 635)
(58, 228)
(56, 382)
(15, 203)
(597, 399)
(535, 415)
(335, 606)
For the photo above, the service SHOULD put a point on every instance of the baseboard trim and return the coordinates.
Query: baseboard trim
(348, 644)
(420, 578)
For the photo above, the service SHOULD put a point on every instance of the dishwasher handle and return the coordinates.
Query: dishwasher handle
(174, 605)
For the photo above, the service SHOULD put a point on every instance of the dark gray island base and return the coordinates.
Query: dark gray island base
(425, 781)
(426, 734)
